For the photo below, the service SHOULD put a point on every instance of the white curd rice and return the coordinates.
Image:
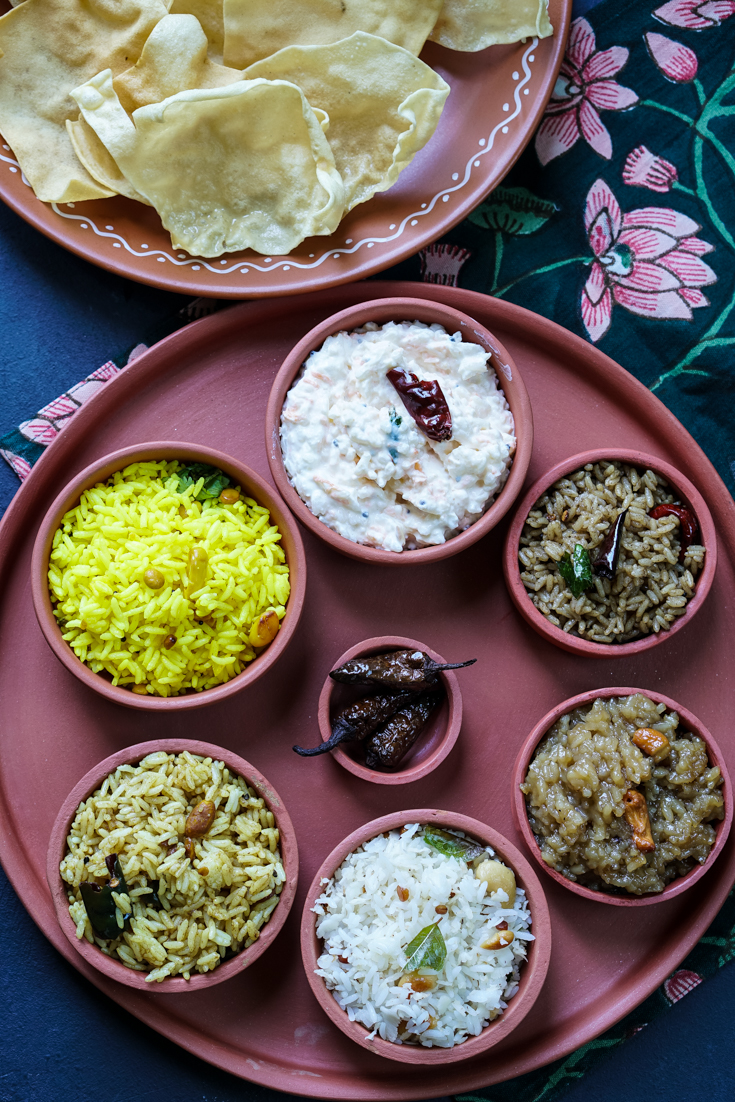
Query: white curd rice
(357, 458)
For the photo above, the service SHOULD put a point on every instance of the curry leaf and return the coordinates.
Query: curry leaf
(215, 480)
(577, 570)
(427, 950)
(100, 906)
(514, 210)
(451, 845)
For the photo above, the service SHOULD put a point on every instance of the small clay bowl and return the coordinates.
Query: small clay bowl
(533, 972)
(115, 969)
(688, 495)
(689, 723)
(253, 486)
(431, 748)
(403, 309)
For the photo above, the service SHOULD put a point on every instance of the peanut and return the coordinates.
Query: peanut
(417, 982)
(653, 742)
(402, 894)
(229, 496)
(153, 578)
(499, 939)
(441, 909)
(197, 568)
(636, 816)
(498, 877)
(200, 819)
(265, 629)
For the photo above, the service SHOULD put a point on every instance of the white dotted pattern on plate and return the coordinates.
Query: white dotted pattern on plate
(287, 263)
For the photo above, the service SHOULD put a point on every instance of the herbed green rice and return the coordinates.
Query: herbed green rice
(116, 624)
(211, 905)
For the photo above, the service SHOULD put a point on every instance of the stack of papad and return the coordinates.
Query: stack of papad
(333, 105)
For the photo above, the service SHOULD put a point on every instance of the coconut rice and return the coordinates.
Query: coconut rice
(211, 906)
(366, 925)
(173, 639)
(650, 589)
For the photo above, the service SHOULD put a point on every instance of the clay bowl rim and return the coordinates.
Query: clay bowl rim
(453, 724)
(99, 471)
(534, 971)
(690, 723)
(91, 780)
(573, 643)
(404, 309)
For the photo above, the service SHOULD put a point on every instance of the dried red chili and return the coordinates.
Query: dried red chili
(360, 719)
(399, 669)
(605, 561)
(425, 401)
(688, 528)
(386, 747)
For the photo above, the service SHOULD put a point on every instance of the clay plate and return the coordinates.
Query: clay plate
(434, 744)
(115, 969)
(686, 491)
(209, 383)
(689, 723)
(509, 379)
(533, 972)
(254, 486)
(497, 98)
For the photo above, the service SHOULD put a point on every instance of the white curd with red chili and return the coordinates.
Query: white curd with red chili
(360, 462)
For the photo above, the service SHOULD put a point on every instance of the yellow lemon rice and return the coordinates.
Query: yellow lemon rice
(138, 521)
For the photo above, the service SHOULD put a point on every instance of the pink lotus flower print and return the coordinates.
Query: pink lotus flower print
(644, 169)
(647, 261)
(695, 15)
(676, 61)
(583, 88)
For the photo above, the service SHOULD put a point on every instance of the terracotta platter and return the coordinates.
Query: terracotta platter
(497, 98)
(209, 383)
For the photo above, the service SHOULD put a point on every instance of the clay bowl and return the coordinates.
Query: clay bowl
(434, 744)
(533, 973)
(115, 969)
(403, 309)
(253, 486)
(687, 493)
(689, 723)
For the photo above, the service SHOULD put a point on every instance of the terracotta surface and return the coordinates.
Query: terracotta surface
(476, 143)
(99, 471)
(689, 723)
(434, 744)
(209, 383)
(687, 493)
(533, 972)
(404, 309)
(115, 969)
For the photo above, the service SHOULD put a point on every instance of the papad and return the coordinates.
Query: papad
(210, 15)
(383, 104)
(173, 59)
(472, 25)
(255, 29)
(245, 166)
(50, 47)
